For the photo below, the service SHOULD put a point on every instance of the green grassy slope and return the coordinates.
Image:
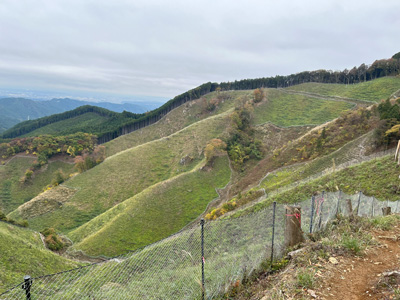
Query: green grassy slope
(176, 120)
(284, 109)
(84, 122)
(128, 173)
(374, 90)
(13, 193)
(378, 178)
(281, 109)
(302, 171)
(22, 253)
(153, 214)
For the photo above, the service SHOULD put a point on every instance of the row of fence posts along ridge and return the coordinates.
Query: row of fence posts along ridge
(204, 261)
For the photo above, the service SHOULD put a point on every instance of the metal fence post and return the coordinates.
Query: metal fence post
(27, 286)
(338, 202)
(273, 232)
(359, 202)
(202, 258)
(373, 206)
(312, 213)
(320, 211)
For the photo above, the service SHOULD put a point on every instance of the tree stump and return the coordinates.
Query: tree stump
(386, 211)
(293, 232)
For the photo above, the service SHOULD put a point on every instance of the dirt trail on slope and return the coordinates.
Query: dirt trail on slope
(355, 278)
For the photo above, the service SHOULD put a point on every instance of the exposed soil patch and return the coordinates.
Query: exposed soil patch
(362, 277)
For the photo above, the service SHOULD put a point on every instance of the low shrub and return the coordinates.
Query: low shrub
(238, 201)
(53, 241)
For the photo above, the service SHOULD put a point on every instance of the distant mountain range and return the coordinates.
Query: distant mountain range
(16, 110)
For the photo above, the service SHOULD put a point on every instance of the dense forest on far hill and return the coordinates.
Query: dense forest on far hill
(16, 110)
(108, 121)
(380, 68)
(120, 124)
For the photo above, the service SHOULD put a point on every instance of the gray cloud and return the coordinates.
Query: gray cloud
(163, 48)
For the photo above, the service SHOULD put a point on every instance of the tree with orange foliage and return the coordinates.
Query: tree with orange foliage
(258, 95)
(213, 149)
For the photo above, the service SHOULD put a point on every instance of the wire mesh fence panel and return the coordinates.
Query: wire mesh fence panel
(378, 205)
(234, 248)
(396, 208)
(343, 207)
(364, 205)
(307, 212)
(328, 209)
(320, 206)
(280, 225)
(14, 293)
(393, 205)
(172, 269)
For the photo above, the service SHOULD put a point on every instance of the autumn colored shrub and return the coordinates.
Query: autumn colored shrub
(45, 146)
(258, 95)
(88, 159)
(214, 148)
(53, 241)
(235, 202)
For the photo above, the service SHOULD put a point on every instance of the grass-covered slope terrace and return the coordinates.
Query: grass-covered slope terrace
(22, 253)
(127, 173)
(153, 214)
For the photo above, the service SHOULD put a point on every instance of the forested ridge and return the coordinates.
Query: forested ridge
(380, 68)
(128, 122)
(15, 110)
(113, 119)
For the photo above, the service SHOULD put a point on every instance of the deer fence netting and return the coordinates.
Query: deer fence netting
(201, 261)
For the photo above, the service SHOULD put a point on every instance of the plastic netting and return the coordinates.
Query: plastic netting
(172, 268)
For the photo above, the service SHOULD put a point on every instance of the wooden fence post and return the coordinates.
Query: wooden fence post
(293, 232)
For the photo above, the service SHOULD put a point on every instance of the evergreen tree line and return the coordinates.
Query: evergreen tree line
(380, 68)
(127, 122)
(153, 116)
(29, 126)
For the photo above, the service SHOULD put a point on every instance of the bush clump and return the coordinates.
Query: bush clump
(53, 241)
(233, 203)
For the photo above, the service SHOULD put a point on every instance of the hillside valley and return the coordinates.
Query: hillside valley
(223, 154)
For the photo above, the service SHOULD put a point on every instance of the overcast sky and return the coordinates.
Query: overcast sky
(163, 48)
